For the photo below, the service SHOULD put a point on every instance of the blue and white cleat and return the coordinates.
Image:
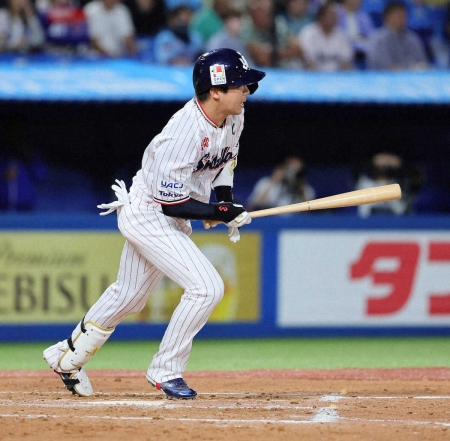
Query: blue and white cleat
(176, 388)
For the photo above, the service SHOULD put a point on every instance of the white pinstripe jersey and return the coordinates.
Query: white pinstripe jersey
(185, 159)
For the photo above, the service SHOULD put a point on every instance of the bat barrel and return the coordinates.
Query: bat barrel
(364, 196)
(358, 197)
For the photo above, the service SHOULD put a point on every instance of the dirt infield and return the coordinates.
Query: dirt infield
(345, 404)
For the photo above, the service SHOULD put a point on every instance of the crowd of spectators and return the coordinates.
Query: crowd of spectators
(320, 35)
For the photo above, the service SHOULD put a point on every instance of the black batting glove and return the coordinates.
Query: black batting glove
(227, 211)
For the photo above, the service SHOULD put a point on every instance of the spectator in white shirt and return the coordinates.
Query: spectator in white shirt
(287, 184)
(20, 29)
(325, 46)
(110, 28)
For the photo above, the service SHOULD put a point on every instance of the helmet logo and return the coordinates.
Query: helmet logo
(217, 72)
(244, 62)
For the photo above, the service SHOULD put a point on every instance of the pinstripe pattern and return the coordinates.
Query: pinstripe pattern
(174, 154)
(181, 162)
(158, 245)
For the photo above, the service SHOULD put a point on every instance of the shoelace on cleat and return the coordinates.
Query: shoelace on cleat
(179, 382)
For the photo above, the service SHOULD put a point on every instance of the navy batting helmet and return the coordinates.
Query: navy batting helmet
(224, 67)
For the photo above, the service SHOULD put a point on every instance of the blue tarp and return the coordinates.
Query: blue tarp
(131, 80)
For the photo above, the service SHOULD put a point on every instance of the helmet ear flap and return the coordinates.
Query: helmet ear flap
(252, 87)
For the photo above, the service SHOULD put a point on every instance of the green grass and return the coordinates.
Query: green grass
(257, 354)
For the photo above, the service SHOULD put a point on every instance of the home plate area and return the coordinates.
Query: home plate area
(262, 405)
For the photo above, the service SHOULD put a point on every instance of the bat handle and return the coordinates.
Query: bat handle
(210, 223)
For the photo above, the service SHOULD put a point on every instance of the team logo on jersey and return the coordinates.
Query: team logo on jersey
(215, 162)
(165, 184)
(205, 143)
(217, 72)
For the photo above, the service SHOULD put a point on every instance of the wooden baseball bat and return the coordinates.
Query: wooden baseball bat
(350, 199)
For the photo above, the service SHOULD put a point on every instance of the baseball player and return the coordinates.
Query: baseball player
(195, 152)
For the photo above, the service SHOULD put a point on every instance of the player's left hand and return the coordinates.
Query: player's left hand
(207, 224)
(122, 199)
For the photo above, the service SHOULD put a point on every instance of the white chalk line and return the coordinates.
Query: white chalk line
(320, 414)
(166, 404)
(333, 397)
(190, 420)
(315, 420)
(170, 404)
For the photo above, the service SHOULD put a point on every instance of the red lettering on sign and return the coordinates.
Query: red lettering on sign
(401, 278)
(439, 303)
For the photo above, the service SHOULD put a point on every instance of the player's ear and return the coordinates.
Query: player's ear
(214, 92)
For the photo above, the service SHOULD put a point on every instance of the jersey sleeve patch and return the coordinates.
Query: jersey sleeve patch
(171, 192)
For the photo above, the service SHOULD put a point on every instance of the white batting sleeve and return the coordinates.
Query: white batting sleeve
(226, 176)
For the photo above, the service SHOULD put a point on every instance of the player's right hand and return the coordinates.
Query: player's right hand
(243, 219)
(239, 221)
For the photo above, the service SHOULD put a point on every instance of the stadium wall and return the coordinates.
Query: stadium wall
(304, 275)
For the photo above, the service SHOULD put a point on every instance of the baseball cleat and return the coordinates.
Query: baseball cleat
(176, 388)
(77, 382)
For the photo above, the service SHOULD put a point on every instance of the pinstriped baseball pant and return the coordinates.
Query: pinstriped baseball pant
(157, 245)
